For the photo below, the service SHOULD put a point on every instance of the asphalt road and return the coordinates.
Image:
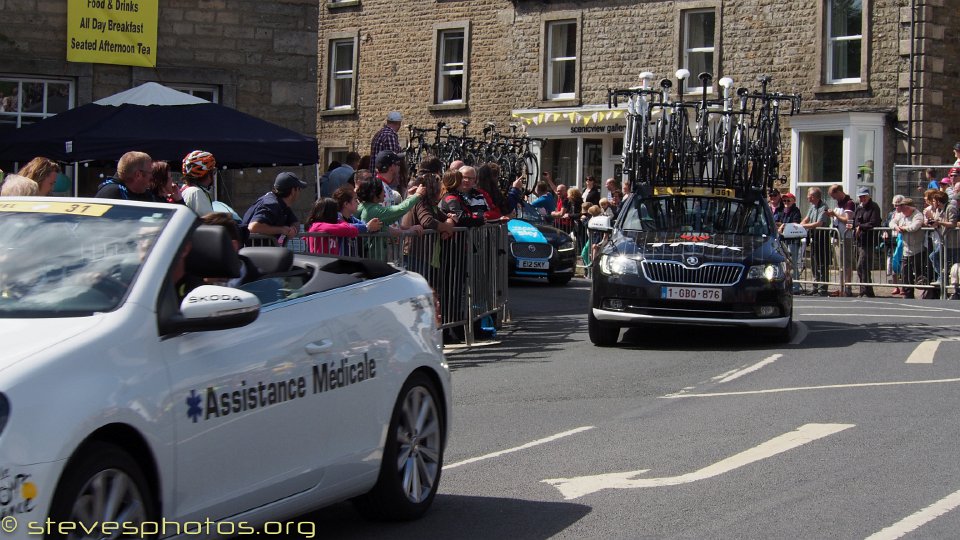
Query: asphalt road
(849, 431)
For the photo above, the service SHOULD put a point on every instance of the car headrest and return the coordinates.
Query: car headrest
(212, 254)
(269, 260)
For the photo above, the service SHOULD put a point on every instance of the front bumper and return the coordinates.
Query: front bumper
(632, 300)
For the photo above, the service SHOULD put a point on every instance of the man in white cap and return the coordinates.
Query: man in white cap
(386, 138)
(866, 218)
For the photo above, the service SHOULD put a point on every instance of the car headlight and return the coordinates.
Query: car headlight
(618, 265)
(566, 245)
(769, 272)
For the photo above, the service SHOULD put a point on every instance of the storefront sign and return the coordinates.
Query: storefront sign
(122, 32)
(618, 128)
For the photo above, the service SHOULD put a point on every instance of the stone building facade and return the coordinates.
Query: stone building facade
(878, 77)
(256, 57)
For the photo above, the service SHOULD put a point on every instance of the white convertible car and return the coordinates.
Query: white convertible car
(137, 396)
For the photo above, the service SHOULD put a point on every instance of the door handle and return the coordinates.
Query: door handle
(318, 347)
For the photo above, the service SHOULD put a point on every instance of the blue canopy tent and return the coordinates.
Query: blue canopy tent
(164, 123)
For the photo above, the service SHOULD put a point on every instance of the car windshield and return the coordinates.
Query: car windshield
(67, 260)
(681, 214)
(529, 213)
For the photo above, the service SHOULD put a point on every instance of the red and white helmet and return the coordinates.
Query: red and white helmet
(198, 164)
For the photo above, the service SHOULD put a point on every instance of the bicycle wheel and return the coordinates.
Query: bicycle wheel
(531, 168)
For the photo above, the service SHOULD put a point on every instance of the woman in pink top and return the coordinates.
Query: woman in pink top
(325, 219)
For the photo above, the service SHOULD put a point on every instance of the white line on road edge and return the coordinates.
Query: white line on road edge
(518, 448)
(918, 519)
(572, 488)
(799, 388)
(751, 369)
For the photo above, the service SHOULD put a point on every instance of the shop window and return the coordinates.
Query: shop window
(844, 29)
(698, 42)
(25, 101)
(451, 66)
(821, 157)
(841, 148)
(561, 60)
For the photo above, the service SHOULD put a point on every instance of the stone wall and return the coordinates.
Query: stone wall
(261, 55)
(621, 38)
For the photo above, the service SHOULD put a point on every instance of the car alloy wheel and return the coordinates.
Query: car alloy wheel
(109, 496)
(418, 436)
(102, 484)
(412, 454)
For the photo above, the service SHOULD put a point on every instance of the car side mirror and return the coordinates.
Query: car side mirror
(600, 224)
(212, 307)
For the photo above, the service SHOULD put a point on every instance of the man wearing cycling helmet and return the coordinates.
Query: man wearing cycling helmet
(199, 173)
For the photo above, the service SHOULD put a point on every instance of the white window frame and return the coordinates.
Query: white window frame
(832, 41)
(552, 61)
(445, 70)
(852, 125)
(194, 89)
(693, 84)
(334, 76)
(19, 115)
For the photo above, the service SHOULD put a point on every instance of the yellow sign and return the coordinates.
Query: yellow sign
(696, 192)
(122, 32)
(77, 209)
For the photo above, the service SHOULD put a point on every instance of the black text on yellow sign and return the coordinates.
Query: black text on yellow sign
(122, 32)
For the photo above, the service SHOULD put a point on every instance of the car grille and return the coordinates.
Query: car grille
(529, 250)
(708, 274)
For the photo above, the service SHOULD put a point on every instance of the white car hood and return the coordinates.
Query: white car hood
(22, 338)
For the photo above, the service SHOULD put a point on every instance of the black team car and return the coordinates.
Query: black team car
(696, 259)
(538, 250)
(696, 243)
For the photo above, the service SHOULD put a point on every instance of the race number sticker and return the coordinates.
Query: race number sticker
(78, 209)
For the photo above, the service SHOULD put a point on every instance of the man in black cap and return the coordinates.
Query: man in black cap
(272, 214)
(388, 171)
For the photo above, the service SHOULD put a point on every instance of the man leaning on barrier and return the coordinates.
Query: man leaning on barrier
(866, 218)
(820, 254)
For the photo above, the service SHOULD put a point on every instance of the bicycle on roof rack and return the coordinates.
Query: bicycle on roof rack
(707, 142)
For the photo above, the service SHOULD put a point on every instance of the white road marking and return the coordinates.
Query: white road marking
(518, 448)
(572, 488)
(799, 388)
(918, 519)
(925, 351)
(751, 369)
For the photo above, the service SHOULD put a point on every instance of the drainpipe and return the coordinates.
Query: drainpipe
(913, 37)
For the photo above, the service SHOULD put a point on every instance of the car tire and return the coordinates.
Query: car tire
(102, 471)
(412, 455)
(602, 335)
(559, 280)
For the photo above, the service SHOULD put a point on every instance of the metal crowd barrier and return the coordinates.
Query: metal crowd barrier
(468, 271)
(829, 259)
